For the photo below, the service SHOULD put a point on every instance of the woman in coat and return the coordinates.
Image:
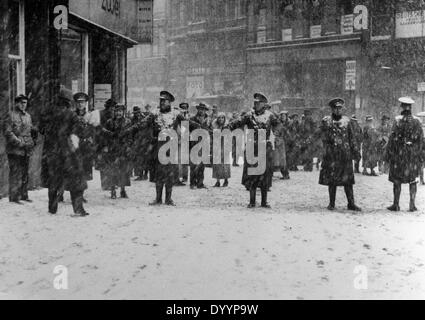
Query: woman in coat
(116, 153)
(221, 171)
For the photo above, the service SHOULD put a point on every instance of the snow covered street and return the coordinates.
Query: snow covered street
(212, 247)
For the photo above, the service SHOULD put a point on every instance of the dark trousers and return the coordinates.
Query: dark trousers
(18, 177)
(197, 175)
(77, 198)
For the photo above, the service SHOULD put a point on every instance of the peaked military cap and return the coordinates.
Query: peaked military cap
(136, 109)
(21, 97)
(165, 95)
(406, 100)
(259, 97)
(337, 102)
(369, 118)
(202, 106)
(184, 105)
(81, 96)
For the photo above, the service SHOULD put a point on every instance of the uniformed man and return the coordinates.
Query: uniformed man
(294, 143)
(183, 168)
(358, 134)
(370, 147)
(62, 162)
(21, 138)
(279, 154)
(340, 150)
(257, 119)
(199, 121)
(165, 173)
(403, 153)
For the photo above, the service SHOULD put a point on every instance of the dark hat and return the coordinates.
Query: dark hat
(354, 117)
(81, 96)
(385, 117)
(21, 97)
(294, 115)
(65, 94)
(202, 106)
(136, 109)
(120, 107)
(110, 103)
(337, 102)
(259, 97)
(165, 95)
(184, 105)
(307, 112)
(369, 118)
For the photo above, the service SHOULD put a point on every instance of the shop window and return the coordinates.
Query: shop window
(382, 19)
(301, 24)
(16, 36)
(74, 60)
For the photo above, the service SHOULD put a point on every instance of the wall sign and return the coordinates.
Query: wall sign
(194, 86)
(410, 24)
(350, 75)
(112, 6)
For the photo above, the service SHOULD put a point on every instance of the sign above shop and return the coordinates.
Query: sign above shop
(128, 18)
(421, 87)
(410, 24)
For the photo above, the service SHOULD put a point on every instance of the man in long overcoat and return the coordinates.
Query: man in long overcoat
(370, 147)
(404, 153)
(340, 150)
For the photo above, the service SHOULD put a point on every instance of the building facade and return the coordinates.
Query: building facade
(207, 41)
(77, 45)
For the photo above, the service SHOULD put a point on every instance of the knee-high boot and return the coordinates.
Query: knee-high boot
(413, 190)
(332, 197)
(252, 197)
(158, 200)
(264, 203)
(349, 191)
(396, 202)
(168, 194)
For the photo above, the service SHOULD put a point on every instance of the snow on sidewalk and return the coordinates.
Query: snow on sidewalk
(211, 247)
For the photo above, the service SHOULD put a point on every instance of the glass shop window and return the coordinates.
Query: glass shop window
(74, 61)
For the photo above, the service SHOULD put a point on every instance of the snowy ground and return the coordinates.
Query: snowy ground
(212, 247)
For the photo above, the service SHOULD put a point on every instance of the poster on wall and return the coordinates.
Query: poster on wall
(316, 31)
(410, 24)
(347, 24)
(286, 34)
(350, 75)
(261, 36)
(102, 93)
(194, 86)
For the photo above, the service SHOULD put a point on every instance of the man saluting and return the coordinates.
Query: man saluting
(341, 149)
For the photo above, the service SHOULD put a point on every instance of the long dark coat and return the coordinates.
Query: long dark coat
(252, 121)
(370, 147)
(404, 150)
(115, 169)
(62, 166)
(222, 170)
(340, 149)
(143, 146)
(279, 153)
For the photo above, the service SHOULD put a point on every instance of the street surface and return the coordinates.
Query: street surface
(212, 247)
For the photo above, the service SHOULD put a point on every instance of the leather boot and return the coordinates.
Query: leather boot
(158, 200)
(168, 194)
(264, 203)
(349, 191)
(252, 197)
(332, 198)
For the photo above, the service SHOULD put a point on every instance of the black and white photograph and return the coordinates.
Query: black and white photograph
(212, 150)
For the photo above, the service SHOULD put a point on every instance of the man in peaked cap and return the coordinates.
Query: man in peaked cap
(199, 121)
(183, 176)
(258, 119)
(21, 137)
(165, 174)
(404, 152)
(340, 150)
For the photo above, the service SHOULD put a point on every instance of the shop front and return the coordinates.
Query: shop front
(87, 54)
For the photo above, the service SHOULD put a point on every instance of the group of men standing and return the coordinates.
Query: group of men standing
(76, 140)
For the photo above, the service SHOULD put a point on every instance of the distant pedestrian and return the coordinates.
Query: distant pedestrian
(358, 135)
(221, 171)
(370, 147)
